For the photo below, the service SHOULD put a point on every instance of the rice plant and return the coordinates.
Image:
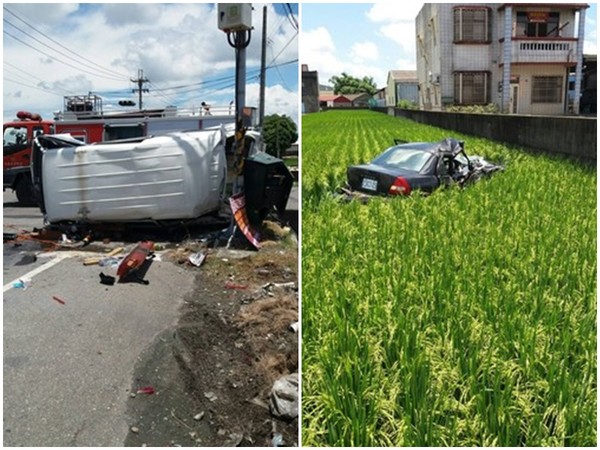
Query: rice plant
(467, 317)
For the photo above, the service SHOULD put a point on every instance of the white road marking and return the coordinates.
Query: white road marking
(29, 275)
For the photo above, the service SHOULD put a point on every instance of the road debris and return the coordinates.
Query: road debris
(230, 285)
(197, 259)
(199, 416)
(238, 208)
(284, 397)
(114, 251)
(277, 440)
(91, 261)
(135, 430)
(294, 327)
(211, 396)
(9, 237)
(21, 283)
(58, 299)
(107, 279)
(146, 390)
(26, 258)
(180, 421)
(130, 268)
(234, 439)
(110, 261)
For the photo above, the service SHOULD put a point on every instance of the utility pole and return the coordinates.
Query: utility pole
(140, 82)
(263, 59)
(235, 19)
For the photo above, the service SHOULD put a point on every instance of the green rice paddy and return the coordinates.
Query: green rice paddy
(465, 318)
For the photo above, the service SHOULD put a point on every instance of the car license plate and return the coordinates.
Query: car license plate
(368, 183)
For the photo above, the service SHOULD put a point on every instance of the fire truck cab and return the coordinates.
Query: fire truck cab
(18, 138)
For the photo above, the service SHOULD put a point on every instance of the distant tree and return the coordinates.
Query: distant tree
(347, 84)
(279, 133)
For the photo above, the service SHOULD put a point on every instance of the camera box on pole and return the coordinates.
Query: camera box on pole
(235, 16)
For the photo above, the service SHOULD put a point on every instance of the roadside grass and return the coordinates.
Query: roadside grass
(464, 318)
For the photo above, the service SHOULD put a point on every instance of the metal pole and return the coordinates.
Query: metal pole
(506, 60)
(579, 66)
(240, 103)
(263, 59)
(140, 82)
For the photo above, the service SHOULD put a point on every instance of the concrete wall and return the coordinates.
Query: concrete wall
(573, 136)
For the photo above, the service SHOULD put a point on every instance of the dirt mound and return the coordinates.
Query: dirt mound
(234, 340)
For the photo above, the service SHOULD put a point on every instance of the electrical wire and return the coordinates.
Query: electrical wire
(291, 17)
(282, 50)
(106, 70)
(22, 72)
(58, 60)
(48, 91)
(59, 52)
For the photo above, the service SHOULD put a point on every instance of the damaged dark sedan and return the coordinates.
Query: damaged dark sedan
(422, 166)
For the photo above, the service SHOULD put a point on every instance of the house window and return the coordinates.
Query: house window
(471, 25)
(547, 90)
(471, 88)
(537, 24)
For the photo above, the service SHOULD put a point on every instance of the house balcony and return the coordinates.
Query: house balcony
(543, 51)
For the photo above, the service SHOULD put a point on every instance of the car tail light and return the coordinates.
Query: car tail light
(400, 187)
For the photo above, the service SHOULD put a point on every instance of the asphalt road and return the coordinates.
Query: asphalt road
(68, 368)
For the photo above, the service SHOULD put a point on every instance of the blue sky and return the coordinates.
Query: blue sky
(98, 47)
(371, 39)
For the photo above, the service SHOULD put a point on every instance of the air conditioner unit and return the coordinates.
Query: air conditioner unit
(235, 16)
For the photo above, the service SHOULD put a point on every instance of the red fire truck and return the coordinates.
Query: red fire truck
(84, 119)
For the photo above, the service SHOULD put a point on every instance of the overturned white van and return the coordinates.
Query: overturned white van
(180, 175)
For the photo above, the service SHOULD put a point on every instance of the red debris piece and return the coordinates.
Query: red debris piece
(58, 299)
(146, 390)
(230, 285)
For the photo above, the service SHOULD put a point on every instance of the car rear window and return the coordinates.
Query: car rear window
(403, 158)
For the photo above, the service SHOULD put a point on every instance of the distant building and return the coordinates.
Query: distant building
(359, 100)
(402, 85)
(335, 101)
(310, 90)
(380, 97)
(517, 56)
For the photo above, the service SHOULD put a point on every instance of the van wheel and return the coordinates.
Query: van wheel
(24, 191)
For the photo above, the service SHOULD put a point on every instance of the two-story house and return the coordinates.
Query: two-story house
(515, 55)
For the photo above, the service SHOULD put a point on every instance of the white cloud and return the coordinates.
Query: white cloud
(43, 15)
(397, 23)
(319, 53)
(278, 100)
(405, 64)
(317, 40)
(394, 12)
(364, 51)
(121, 14)
(402, 34)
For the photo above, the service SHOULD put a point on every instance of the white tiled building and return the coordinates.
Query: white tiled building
(515, 55)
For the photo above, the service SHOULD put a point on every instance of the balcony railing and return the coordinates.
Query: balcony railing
(543, 51)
